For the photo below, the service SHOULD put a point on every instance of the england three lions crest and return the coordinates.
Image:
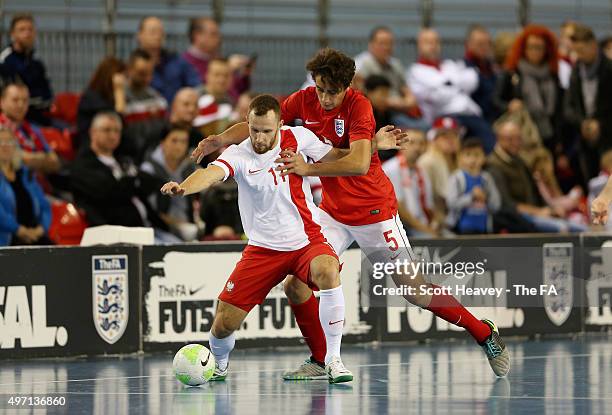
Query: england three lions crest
(339, 124)
(110, 295)
(558, 273)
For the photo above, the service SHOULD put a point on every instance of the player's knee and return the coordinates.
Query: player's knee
(224, 325)
(296, 291)
(326, 277)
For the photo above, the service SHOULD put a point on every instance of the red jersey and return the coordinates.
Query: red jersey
(352, 200)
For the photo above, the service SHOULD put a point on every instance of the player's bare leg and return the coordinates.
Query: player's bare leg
(325, 274)
(446, 307)
(305, 307)
(228, 319)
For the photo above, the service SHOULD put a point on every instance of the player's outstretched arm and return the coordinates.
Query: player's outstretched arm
(236, 134)
(599, 205)
(354, 163)
(199, 180)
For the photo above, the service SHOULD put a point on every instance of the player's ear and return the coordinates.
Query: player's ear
(280, 123)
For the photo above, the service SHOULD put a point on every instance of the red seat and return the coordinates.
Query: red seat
(65, 107)
(60, 141)
(67, 223)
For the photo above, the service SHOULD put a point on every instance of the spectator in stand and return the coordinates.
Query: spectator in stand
(110, 189)
(18, 64)
(169, 161)
(478, 55)
(145, 109)
(597, 184)
(515, 183)
(439, 161)
(183, 112)
(25, 213)
(472, 197)
(412, 188)
(502, 43)
(606, 47)
(379, 60)
(377, 89)
(567, 57)
(105, 92)
(530, 82)
(566, 206)
(172, 72)
(588, 101)
(241, 109)
(443, 88)
(205, 39)
(214, 104)
(36, 153)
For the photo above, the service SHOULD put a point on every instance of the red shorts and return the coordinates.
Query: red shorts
(261, 269)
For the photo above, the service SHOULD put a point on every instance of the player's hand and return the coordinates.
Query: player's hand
(205, 147)
(173, 189)
(390, 138)
(291, 163)
(599, 210)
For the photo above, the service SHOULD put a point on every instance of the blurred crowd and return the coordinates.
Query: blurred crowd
(515, 137)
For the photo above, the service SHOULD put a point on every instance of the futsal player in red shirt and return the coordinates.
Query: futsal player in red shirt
(358, 204)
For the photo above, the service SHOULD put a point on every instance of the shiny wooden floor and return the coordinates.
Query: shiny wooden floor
(563, 376)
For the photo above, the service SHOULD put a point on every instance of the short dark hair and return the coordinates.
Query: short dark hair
(377, 29)
(139, 54)
(19, 17)
(262, 104)
(472, 143)
(583, 33)
(196, 25)
(16, 83)
(333, 66)
(475, 27)
(169, 129)
(374, 82)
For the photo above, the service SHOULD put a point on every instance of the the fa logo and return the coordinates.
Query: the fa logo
(229, 287)
(339, 124)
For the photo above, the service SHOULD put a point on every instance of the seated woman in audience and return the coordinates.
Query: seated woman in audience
(25, 213)
(105, 92)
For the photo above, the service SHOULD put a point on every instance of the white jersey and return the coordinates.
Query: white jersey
(277, 212)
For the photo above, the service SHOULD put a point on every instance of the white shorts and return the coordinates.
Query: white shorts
(384, 241)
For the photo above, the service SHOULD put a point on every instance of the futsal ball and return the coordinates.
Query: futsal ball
(193, 365)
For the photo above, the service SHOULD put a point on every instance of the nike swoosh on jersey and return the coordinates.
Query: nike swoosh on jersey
(307, 122)
(332, 323)
(254, 171)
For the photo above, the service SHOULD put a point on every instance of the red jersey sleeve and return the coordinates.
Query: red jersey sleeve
(363, 124)
(291, 108)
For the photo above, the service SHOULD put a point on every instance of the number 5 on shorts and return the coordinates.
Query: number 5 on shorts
(390, 239)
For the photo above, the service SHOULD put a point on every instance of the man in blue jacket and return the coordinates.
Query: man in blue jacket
(172, 72)
(17, 63)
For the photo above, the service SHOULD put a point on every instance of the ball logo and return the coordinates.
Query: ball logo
(110, 295)
(229, 287)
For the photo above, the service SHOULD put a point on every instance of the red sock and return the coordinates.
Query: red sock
(307, 318)
(448, 308)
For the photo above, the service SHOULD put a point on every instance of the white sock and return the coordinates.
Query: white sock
(331, 314)
(221, 348)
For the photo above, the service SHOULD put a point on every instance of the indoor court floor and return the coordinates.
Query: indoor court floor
(555, 376)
